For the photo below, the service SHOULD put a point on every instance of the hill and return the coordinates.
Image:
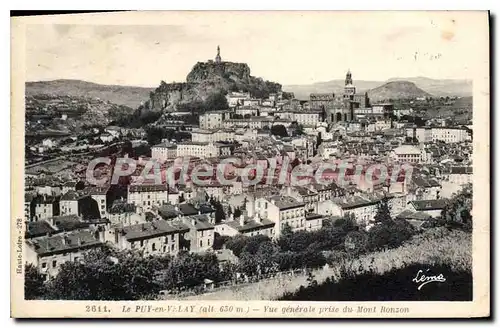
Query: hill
(121, 95)
(206, 80)
(396, 90)
(442, 87)
(45, 112)
(436, 87)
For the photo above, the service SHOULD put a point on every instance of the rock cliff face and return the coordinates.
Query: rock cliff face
(206, 79)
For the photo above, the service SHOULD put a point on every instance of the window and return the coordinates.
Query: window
(54, 264)
(76, 258)
(153, 247)
(173, 248)
(132, 244)
(102, 201)
(142, 243)
(201, 243)
(164, 249)
(44, 265)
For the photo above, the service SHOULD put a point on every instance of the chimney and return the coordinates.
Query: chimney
(242, 220)
(193, 222)
(231, 217)
(257, 218)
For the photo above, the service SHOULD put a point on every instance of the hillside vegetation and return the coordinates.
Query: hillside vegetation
(121, 95)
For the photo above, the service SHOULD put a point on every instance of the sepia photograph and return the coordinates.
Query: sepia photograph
(251, 164)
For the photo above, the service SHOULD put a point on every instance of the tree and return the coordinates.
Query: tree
(279, 130)
(347, 223)
(219, 240)
(219, 212)
(383, 211)
(356, 242)
(216, 101)
(107, 274)
(389, 234)
(236, 244)
(33, 283)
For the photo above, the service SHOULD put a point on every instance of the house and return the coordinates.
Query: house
(214, 119)
(362, 207)
(314, 221)
(98, 194)
(44, 207)
(152, 238)
(201, 232)
(431, 207)
(69, 203)
(48, 253)
(246, 226)
(408, 154)
(164, 151)
(144, 196)
(460, 175)
(124, 213)
(417, 219)
(282, 210)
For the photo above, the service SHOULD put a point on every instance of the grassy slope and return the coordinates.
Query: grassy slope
(434, 247)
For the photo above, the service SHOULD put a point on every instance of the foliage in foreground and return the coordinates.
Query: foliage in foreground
(395, 285)
(387, 275)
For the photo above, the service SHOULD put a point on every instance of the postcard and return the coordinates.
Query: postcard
(273, 164)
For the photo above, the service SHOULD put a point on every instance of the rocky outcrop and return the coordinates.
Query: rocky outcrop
(206, 79)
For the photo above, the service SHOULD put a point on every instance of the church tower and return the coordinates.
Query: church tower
(217, 58)
(349, 89)
(348, 78)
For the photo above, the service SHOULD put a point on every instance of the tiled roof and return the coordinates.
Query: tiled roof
(152, 229)
(250, 225)
(39, 228)
(62, 243)
(427, 205)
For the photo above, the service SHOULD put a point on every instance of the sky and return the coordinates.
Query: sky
(285, 47)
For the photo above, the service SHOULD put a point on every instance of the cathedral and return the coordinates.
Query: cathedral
(340, 107)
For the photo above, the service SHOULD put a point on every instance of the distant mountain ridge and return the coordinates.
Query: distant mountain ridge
(132, 96)
(129, 96)
(435, 87)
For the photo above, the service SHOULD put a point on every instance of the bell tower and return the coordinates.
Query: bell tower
(217, 58)
(348, 78)
(349, 89)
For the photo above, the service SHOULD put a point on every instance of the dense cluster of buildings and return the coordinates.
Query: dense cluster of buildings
(67, 216)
